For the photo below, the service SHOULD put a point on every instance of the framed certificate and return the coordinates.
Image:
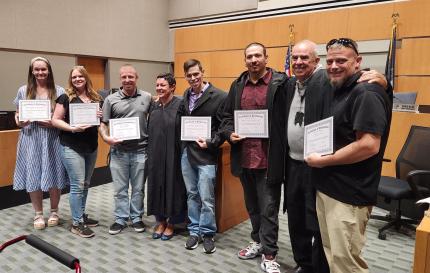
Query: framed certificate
(124, 128)
(83, 114)
(34, 110)
(318, 137)
(252, 123)
(194, 127)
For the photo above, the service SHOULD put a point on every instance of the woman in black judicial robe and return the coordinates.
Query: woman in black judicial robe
(166, 189)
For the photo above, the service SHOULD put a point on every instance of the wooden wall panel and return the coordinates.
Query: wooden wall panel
(414, 56)
(8, 141)
(324, 26)
(415, 84)
(400, 125)
(370, 22)
(413, 21)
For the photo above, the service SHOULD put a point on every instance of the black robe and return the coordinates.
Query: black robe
(166, 189)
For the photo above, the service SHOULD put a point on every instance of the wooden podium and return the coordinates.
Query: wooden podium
(230, 206)
(422, 247)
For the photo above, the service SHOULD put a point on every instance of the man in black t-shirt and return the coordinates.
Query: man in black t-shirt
(347, 181)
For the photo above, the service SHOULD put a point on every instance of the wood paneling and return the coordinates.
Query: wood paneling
(422, 247)
(102, 153)
(370, 22)
(96, 69)
(8, 141)
(230, 205)
(415, 84)
(400, 125)
(413, 58)
(413, 21)
(325, 25)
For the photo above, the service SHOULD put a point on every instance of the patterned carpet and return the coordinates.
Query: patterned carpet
(138, 252)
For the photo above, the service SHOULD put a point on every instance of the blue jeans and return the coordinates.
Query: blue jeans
(200, 183)
(128, 168)
(79, 167)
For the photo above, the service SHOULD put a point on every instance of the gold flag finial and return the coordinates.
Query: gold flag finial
(395, 16)
(291, 27)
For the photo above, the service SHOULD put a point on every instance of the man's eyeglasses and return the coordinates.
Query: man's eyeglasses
(346, 42)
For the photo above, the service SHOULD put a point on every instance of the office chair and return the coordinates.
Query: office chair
(412, 179)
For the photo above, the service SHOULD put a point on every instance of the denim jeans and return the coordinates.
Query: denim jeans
(79, 167)
(200, 183)
(128, 168)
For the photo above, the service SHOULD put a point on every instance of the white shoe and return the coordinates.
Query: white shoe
(269, 266)
(251, 251)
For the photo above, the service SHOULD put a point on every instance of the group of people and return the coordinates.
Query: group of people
(328, 199)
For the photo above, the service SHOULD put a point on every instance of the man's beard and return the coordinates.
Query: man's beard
(338, 83)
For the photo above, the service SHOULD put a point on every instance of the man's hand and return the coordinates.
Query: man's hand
(315, 160)
(234, 138)
(373, 76)
(202, 143)
(112, 141)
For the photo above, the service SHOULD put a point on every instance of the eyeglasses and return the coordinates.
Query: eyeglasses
(346, 42)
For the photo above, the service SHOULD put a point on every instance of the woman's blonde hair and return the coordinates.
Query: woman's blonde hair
(91, 93)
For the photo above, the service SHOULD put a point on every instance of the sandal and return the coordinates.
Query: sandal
(53, 219)
(38, 222)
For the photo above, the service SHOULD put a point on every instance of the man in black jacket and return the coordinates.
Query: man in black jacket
(199, 158)
(258, 88)
(306, 95)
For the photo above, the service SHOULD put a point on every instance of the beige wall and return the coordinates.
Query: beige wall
(129, 29)
(14, 69)
(183, 9)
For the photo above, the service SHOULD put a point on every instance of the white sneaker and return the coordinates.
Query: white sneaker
(269, 266)
(251, 251)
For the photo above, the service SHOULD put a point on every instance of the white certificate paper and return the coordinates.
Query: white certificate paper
(318, 137)
(83, 114)
(252, 123)
(34, 110)
(124, 128)
(194, 127)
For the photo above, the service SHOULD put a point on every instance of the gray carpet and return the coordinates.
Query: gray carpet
(138, 252)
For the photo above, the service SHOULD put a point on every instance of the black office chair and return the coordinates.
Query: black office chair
(412, 179)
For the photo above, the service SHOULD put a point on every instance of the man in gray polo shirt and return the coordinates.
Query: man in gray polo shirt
(127, 158)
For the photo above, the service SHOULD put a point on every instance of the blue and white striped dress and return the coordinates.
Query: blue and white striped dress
(38, 156)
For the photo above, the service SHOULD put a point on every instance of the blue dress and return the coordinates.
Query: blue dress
(38, 156)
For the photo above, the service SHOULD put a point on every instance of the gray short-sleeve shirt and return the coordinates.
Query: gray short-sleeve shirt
(119, 105)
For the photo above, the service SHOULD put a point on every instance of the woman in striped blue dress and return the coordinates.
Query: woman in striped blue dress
(38, 160)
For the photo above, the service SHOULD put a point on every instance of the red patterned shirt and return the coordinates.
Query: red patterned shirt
(254, 150)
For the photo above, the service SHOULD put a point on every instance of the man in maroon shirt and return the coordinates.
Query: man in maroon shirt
(256, 89)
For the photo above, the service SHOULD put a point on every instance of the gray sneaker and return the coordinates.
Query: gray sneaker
(209, 244)
(192, 242)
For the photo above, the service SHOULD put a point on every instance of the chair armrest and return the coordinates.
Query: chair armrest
(410, 178)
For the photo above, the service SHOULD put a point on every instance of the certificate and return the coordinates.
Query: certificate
(251, 123)
(194, 127)
(318, 137)
(124, 128)
(34, 110)
(83, 114)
